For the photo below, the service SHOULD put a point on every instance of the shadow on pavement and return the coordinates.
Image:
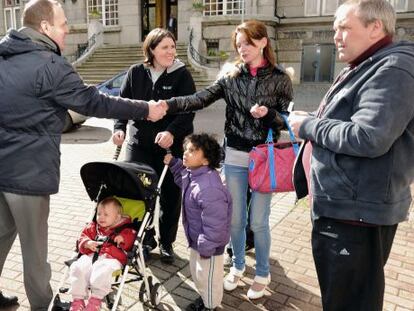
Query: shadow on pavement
(281, 294)
(86, 134)
(14, 308)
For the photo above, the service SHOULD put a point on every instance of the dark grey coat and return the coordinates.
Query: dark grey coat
(37, 86)
(363, 143)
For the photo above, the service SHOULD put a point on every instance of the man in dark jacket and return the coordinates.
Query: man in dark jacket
(37, 86)
(357, 157)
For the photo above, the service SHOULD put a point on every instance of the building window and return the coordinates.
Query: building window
(320, 7)
(223, 7)
(399, 5)
(108, 10)
(212, 47)
(12, 15)
(318, 63)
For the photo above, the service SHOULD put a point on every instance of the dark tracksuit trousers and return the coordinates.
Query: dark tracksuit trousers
(350, 262)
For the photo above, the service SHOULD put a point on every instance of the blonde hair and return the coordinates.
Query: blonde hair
(111, 200)
(369, 11)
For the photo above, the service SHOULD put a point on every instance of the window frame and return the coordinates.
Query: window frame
(109, 16)
(323, 9)
(405, 9)
(15, 23)
(320, 8)
(317, 8)
(221, 8)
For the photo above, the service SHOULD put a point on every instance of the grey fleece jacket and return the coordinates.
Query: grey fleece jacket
(363, 142)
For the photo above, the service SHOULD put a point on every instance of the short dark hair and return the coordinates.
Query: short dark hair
(209, 145)
(36, 11)
(152, 40)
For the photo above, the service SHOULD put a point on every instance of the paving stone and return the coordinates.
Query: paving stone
(294, 283)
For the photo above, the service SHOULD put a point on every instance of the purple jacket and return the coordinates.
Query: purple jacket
(207, 208)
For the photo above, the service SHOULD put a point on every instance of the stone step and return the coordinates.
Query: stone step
(104, 75)
(108, 61)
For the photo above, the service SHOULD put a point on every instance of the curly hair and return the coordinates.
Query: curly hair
(209, 145)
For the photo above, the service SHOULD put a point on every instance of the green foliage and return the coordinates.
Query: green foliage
(223, 55)
(198, 5)
(95, 14)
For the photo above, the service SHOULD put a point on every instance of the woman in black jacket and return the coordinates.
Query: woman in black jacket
(161, 76)
(255, 90)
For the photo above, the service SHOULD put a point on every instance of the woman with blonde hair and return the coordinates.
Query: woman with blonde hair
(256, 90)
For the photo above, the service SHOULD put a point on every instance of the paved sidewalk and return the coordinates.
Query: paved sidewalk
(294, 285)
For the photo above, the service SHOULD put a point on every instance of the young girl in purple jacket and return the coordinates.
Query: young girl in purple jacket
(206, 215)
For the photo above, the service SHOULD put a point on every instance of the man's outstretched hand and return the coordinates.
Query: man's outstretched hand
(157, 110)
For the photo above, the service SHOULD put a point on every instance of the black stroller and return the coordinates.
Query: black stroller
(137, 187)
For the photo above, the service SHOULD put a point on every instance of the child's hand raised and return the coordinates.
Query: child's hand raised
(167, 158)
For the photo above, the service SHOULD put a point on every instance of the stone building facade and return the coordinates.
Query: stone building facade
(300, 30)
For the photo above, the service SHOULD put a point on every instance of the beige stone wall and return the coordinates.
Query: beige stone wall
(291, 37)
(129, 23)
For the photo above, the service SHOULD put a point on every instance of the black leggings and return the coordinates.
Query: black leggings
(170, 200)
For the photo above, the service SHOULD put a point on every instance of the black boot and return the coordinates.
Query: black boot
(198, 305)
(167, 255)
(7, 301)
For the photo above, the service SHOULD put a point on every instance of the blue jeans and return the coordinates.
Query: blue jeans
(237, 183)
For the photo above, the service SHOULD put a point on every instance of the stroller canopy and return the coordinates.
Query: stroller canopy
(136, 181)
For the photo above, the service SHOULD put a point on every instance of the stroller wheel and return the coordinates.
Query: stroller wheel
(143, 290)
(110, 299)
(155, 294)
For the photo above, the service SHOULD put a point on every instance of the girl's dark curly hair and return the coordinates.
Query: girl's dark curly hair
(209, 145)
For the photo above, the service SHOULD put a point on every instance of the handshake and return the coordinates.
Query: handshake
(157, 110)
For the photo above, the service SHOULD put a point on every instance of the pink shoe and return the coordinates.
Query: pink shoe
(94, 304)
(77, 305)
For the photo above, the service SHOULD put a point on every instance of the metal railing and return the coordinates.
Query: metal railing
(213, 62)
(83, 48)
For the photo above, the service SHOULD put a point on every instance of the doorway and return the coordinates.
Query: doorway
(157, 13)
(318, 62)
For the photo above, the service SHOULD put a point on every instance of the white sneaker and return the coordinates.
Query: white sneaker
(232, 279)
(260, 282)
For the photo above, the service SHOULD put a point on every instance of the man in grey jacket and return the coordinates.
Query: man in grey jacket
(37, 86)
(356, 163)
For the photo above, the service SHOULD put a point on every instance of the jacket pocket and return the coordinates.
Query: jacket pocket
(331, 179)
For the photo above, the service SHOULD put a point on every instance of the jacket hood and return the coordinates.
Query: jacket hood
(176, 65)
(401, 47)
(17, 42)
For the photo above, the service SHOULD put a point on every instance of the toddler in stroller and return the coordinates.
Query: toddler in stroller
(134, 187)
(103, 244)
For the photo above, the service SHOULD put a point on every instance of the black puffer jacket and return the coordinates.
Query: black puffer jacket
(175, 81)
(271, 87)
(37, 86)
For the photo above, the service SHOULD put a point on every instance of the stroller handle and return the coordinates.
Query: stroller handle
(157, 204)
(117, 152)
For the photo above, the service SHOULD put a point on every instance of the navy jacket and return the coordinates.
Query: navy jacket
(363, 143)
(37, 86)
